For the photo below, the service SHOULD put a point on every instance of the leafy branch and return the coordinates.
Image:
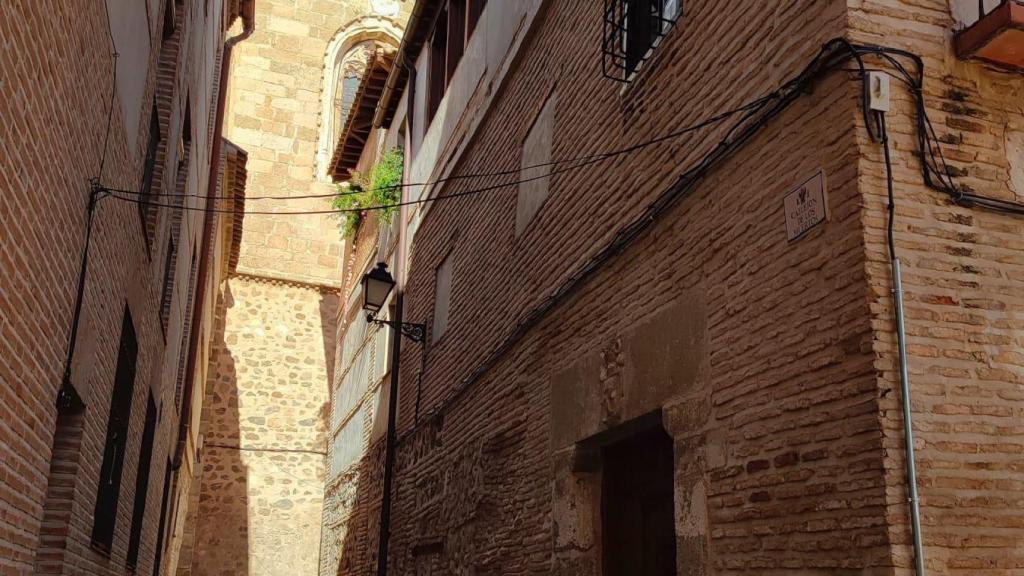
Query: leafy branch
(380, 186)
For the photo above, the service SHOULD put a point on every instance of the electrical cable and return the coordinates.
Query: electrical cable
(891, 207)
(935, 171)
(113, 93)
(587, 159)
(351, 210)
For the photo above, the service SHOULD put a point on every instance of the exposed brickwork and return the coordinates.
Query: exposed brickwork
(763, 355)
(57, 72)
(964, 284)
(60, 493)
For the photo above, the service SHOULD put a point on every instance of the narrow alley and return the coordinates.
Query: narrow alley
(511, 287)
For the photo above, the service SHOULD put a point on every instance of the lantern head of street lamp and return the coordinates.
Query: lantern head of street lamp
(377, 285)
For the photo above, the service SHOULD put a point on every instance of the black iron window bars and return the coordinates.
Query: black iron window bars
(632, 28)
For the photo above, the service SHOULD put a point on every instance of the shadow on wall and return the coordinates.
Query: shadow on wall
(261, 494)
(329, 306)
(222, 533)
(353, 519)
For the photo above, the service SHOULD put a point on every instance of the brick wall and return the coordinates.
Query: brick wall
(57, 70)
(757, 350)
(964, 286)
(773, 362)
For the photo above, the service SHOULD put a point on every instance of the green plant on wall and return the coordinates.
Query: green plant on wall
(380, 186)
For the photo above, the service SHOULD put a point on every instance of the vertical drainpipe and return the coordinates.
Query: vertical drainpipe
(248, 10)
(396, 345)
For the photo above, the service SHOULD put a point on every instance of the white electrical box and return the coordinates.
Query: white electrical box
(878, 91)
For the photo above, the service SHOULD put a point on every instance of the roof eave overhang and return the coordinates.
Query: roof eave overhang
(417, 30)
(359, 124)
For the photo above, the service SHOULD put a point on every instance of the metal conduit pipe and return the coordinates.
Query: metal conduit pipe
(901, 344)
(908, 432)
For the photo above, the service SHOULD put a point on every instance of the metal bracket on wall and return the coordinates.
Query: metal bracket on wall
(411, 330)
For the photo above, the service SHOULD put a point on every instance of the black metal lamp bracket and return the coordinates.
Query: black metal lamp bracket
(411, 330)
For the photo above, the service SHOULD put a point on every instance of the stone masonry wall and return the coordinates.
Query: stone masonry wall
(275, 113)
(963, 275)
(263, 427)
(757, 350)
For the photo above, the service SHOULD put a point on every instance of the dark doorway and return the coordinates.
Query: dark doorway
(637, 506)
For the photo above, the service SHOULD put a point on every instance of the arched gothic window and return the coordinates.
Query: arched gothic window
(344, 67)
(348, 73)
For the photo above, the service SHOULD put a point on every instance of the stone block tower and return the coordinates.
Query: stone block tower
(259, 508)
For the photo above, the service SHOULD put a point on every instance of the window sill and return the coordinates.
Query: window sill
(100, 549)
(639, 75)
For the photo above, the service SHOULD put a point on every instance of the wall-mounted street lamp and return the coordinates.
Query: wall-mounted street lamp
(377, 286)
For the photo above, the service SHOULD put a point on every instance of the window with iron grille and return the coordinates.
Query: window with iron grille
(148, 171)
(168, 290)
(632, 29)
(109, 489)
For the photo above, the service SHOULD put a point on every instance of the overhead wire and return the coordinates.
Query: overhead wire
(935, 170)
(113, 94)
(584, 160)
(425, 200)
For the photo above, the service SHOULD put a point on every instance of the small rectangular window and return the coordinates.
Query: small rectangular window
(158, 552)
(185, 142)
(142, 483)
(637, 505)
(170, 14)
(456, 36)
(109, 489)
(474, 9)
(535, 171)
(186, 333)
(442, 298)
